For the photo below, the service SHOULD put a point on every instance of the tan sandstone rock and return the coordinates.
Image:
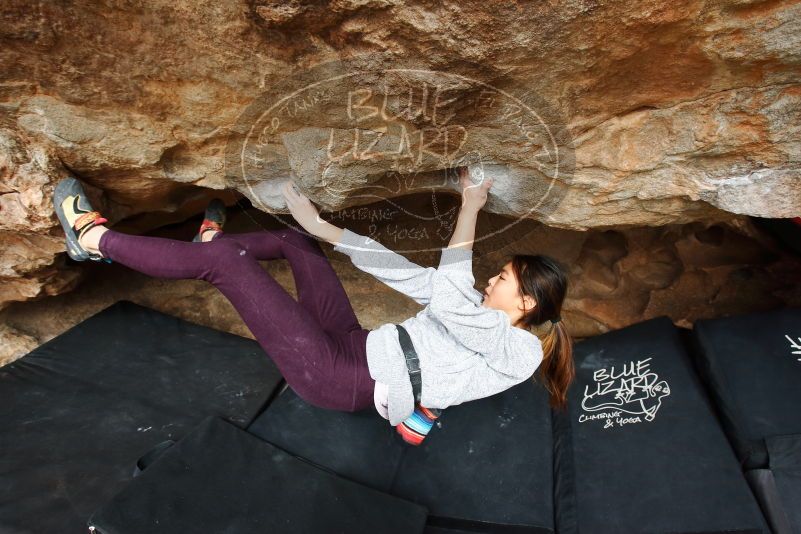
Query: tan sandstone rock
(591, 118)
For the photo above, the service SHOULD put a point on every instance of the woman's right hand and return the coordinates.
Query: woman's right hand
(474, 196)
(301, 208)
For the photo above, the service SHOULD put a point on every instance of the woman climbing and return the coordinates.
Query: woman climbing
(469, 346)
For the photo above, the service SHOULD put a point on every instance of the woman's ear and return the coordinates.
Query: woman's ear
(529, 303)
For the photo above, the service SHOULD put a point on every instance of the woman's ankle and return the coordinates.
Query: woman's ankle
(91, 239)
(208, 235)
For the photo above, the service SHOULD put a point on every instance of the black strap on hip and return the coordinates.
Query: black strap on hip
(413, 365)
(412, 361)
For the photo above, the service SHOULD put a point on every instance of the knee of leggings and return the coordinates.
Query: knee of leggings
(223, 251)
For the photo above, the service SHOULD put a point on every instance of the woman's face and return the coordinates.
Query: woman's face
(503, 293)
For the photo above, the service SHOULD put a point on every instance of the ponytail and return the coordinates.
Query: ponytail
(557, 370)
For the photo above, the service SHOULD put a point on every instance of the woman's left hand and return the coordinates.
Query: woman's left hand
(380, 399)
(301, 207)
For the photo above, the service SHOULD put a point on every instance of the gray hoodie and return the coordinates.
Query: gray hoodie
(467, 351)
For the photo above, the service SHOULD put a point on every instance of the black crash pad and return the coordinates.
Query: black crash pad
(78, 411)
(785, 464)
(640, 449)
(486, 466)
(220, 478)
(778, 488)
(752, 365)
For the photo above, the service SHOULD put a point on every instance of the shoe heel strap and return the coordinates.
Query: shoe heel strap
(88, 220)
(208, 224)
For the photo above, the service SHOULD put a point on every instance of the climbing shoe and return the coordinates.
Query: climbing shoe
(214, 219)
(77, 217)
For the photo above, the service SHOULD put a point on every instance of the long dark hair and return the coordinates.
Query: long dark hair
(545, 280)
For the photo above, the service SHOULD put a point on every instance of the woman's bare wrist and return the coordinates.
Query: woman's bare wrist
(465, 232)
(328, 232)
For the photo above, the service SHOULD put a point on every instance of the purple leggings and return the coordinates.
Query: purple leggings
(316, 342)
